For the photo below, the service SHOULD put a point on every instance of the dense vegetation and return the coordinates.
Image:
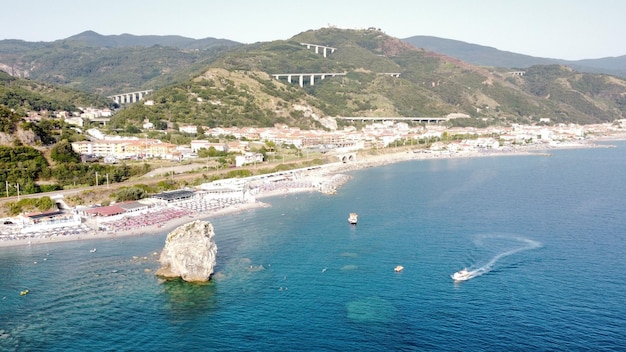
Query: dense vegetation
(109, 65)
(23, 167)
(24, 96)
(223, 84)
(487, 56)
(236, 90)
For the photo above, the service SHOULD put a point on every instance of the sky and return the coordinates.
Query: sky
(562, 29)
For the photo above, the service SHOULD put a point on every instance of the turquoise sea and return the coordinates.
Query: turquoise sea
(545, 235)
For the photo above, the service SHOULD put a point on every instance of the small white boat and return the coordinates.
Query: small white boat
(461, 275)
(398, 268)
(92, 250)
(353, 218)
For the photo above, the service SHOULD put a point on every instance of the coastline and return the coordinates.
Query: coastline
(152, 229)
(328, 178)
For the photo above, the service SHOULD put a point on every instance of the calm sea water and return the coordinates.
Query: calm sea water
(545, 235)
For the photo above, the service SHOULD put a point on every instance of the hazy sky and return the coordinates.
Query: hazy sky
(564, 29)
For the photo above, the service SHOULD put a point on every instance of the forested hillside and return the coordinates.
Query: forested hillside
(481, 55)
(238, 89)
(110, 64)
(232, 85)
(24, 95)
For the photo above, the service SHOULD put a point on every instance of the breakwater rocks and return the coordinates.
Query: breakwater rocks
(189, 253)
(331, 185)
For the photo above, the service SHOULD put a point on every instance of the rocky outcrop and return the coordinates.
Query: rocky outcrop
(189, 253)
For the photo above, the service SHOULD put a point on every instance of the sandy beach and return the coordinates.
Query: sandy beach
(327, 179)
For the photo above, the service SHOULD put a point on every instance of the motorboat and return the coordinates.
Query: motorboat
(24, 293)
(353, 218)
(461, 275)
(398, 268)
(93, 250)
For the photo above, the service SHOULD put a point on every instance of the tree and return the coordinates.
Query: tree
(62, 152)
(160, 125)
(270, 145)
(132, 129)
(132, 193)
(45, 203)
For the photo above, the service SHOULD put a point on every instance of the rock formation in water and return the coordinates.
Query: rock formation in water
(189, 253)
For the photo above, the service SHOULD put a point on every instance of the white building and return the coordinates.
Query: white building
(248, 158)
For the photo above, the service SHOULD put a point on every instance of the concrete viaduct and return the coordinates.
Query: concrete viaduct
(382, 119)
(306, 77)
(127, 98)
(347, 157)
(317, 48)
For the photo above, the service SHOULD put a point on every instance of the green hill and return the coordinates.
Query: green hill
(487, 56)
(225, 84)
(110, 64)
(23, 96)
(238, 89)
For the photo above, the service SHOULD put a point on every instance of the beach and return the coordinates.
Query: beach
(326, 179)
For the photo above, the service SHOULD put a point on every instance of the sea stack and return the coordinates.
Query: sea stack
(189, 253)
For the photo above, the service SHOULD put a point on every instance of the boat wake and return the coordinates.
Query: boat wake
(470, 273)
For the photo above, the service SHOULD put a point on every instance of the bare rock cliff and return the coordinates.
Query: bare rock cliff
(189, 252)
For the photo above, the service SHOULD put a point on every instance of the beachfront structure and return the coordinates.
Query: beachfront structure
(117, 208)
(34, 222)
(175, 196)
(105, 211)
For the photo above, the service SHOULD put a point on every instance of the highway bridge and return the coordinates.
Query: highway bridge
(419, 119)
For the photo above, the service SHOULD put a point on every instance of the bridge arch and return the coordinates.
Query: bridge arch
(347, 157)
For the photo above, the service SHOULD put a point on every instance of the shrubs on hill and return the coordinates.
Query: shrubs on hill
(62, 152)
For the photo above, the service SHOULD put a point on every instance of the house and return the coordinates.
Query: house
(196, 145)
(248, 158)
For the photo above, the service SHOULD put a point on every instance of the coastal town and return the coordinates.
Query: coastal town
(162, 211)
(380, 133)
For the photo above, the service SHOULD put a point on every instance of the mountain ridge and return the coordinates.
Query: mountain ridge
(236, 86)
(489, 56)
(126, 40)
(428, 84)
